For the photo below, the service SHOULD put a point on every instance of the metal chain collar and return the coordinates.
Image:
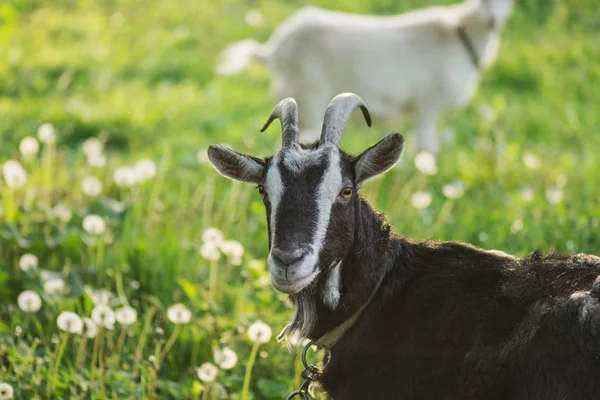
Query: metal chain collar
(310, 375)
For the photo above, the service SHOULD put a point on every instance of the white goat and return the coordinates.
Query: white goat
(424, 62)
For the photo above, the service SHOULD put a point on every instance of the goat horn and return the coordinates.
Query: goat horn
(287, 112)
(337, 116)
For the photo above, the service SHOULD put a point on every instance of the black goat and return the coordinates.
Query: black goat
(419, 319)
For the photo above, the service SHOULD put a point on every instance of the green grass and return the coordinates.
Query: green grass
(138, 74)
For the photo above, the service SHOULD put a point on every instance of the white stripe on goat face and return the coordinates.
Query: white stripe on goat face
(312, 179)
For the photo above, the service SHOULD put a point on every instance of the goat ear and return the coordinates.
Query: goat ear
(378, 158)
(235, 165)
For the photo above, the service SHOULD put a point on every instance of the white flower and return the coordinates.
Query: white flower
(28, 262)
(179, 314)
(94, 225)
(103, 316)
(54, 286)
(29, 301)
(29, 147)
(6, 391)
(234, 251)
(14, 174)
(554, 195)
(212, 236)
(125, 177)
(91, 329)
(96, 159)
(62, 212)
(91, 186)
(225, 358)
(69, 322)
(207, 372)
(126, 315)
(210, 251)
(259, 332)
(516, 226)
(425, 162)
(202, 156)
(93, 146)
(99, 297)
(145, 169)
(527, 194)
(46, 133)
(421, 200)
(483, 236)
(254, 18)
(531, 161)
(453, 190)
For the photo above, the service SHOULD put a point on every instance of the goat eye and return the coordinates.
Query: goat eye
(346, 193)
(262, 191)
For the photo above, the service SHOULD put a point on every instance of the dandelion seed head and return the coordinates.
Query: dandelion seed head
(527, 194)
(94, 225)
(453, 190)
(516, 226)
(46, 133)
(62, 212)
(254, 18)
(29, 147)
(233, 250)
(91, 329)
(554, 195)
(421, 200)
(54, 286)
(91, 186)
(104, 316)
(28, 262)
(6, 391)
(425, 162)
(259, 332)
(225, 358)
(126, 315)
(29, 301)
(93, 146)
(264, 280)
(145, 169)
(212, 236)
(210, 251)
(69, 322)
(531, 161)
(207, 372)
(100, 296)
(179, 314)
(14, 174)
(125, 177)
(97, 160)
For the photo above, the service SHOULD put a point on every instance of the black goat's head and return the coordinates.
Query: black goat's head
(309, 191)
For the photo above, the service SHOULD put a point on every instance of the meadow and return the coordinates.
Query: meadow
(129, 269)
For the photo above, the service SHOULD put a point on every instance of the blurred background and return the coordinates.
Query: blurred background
(129, 269)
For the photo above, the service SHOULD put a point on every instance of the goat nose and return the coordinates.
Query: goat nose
(287, 257)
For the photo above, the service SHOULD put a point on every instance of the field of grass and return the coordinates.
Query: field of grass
(101, 231)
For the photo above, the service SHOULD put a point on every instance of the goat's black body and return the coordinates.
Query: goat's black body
(451, 321)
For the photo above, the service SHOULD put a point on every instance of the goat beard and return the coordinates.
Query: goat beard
(305, 319)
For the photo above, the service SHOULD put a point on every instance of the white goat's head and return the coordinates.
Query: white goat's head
(309, 191)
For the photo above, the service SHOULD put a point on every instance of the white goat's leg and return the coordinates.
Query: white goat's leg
(426, 129)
